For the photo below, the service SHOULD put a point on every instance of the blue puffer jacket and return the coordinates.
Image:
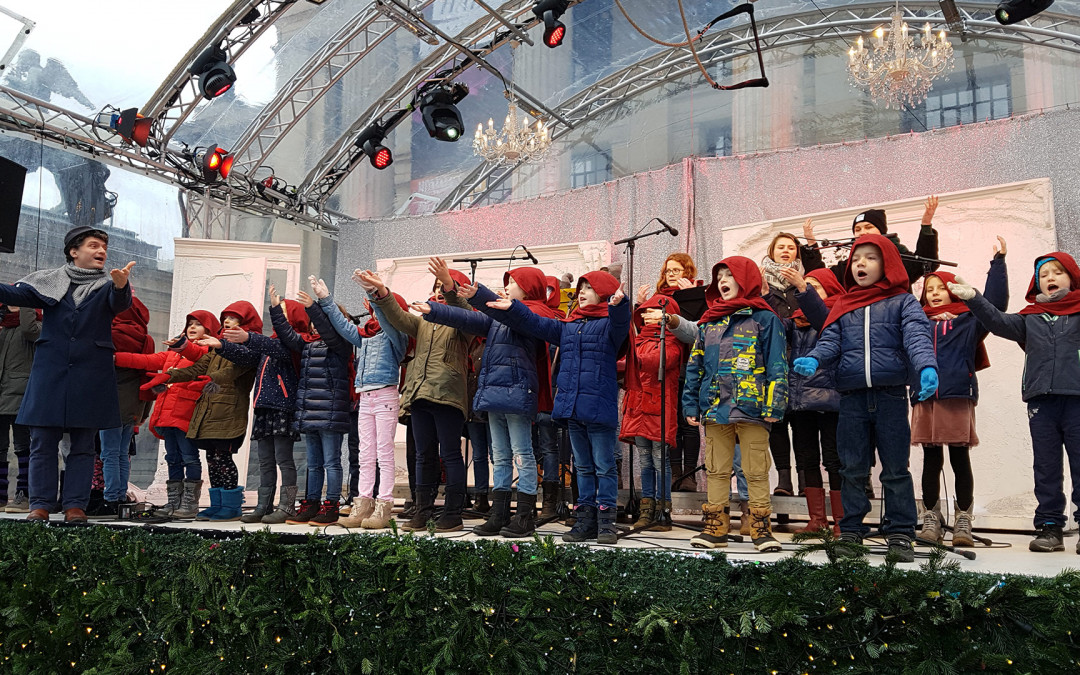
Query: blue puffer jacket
(956, 340)
(323, 401)
(275, 378)
(378, 359)
(507, 382)
(899, 345)
(817, 392)
(588, 388)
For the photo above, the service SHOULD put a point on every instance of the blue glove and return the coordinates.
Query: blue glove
(807, 366)
(927, 383)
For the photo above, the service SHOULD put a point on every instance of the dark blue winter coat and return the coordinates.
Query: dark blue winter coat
(818, 391)
(275, 377)
(588, 388)
(955, 341)
(899, 345)
(507, 382)
(73, 380)
(323, 402)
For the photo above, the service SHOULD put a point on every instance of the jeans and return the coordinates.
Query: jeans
(45, 467)
(653, 472)
(276, 452)
(438, 425)
(480, 442)
(868, 416)
(115, 463)
(181, 454)
(377, 422)
(323, 452)
(593, 446)
(511, 447)
(1054, 421)
(546, 445)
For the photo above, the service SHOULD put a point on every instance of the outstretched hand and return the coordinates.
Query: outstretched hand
(617, 297)
(237, 335)
(422, 307)
(370, 281)
(962, 289)
(318, 287)
(501, 303)
(928, 212)
(441, 271)
(466, 290)
(808, 231)
(211, 342)
(304, 299)
(275, 299)
(928, 383)
(1000, 250)
(794, 277)
(120, 277)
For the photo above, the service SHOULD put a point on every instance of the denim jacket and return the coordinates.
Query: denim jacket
(378, 358)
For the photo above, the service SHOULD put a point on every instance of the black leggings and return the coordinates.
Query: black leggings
(437, 425)
(934, 462)
(814, 437)
(222, 469)
(780, 445)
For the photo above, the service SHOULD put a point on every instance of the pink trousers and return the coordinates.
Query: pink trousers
(377, 423)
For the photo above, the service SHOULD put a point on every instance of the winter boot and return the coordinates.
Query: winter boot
(264, 508)
(549, 507)
(783, 483)
(309, 508)
(189, 500)
(815, 503)
(380, 518)
(480, 503)
(932, 524)
(744, 517)
(1047, 538)
(837, 510)
(408, 509)
(286, 507)
(232, 503)
(761, 531)
(523, 524)
(662, 517)
(175, 490)
(362, 508)
(961, 532)
(645, 513)
(844, 550)
(215, 505)
(900, 546)
(498, 516)
(327, 515)
(717, 522)
(424, 511)
(450, 520)
(584, 527)
(606, 533)
(801, 478)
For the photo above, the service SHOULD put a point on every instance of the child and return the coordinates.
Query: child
(219, 421)
(171, 417)
(19, 330)
(877, 336)
(378, 369)
(589, 343)
(1049, 332)
(948, 417)
(736, 385)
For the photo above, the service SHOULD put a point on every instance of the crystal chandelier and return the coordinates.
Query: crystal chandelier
(895, 71)
(516, 141)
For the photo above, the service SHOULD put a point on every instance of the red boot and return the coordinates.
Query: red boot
(837, 510)
(815, 503)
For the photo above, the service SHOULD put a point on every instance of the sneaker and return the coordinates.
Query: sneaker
(900, 546)
(1048, 538)
(21, 504)
(309, 508)
(327, 515)
(845, 551)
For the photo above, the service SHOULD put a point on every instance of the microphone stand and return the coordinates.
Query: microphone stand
(473, 261)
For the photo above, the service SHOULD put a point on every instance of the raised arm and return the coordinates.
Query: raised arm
(521, 319)
(342, 326)
(285, 332)
(191, 372)
(21, 295)
(326, 330)
(997, 280)
(240, 354)
(619, 316)
(465, 320)
(395, 316)
(1009, 326)
(146, 362)
(813, 307)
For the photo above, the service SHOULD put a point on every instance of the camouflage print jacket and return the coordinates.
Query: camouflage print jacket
(738, 369)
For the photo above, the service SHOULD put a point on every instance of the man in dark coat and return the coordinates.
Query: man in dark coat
(72, 387)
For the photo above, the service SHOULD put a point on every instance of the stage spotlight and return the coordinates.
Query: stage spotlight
(133, 127)
(441, 116)
(215, 75)
(550, 11)
(371, 142)
(215, 163)
(1012, 11)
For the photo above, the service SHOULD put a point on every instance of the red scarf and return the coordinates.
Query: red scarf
(11, 319)
(748, 277)
(129, 332)
(833, 290)
(1070, 304)
(651, 333)
(957, 307)
(894, 282)
(605, 286)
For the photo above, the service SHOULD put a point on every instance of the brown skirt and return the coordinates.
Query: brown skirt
(949, 421)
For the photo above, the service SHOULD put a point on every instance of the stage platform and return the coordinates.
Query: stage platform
(1007, 555)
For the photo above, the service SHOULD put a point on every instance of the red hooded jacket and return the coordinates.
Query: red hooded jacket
(641, 406)
(894, 281)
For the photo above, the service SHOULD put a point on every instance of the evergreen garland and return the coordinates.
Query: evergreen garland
(99, 600)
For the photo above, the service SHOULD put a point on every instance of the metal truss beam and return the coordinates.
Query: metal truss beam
(1053, 31)
(326, 67)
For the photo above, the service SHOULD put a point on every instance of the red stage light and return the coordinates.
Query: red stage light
(226, 165)
(382, 158)
(554, 37)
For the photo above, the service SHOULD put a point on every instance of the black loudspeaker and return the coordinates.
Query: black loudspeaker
(12, 179)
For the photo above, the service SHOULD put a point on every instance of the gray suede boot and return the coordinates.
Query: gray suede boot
(286, 507)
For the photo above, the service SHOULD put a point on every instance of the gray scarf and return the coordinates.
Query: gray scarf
(771, 269)
(54, 284)
(1057, 295)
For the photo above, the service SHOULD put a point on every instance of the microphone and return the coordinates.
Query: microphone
(667, 227)
(530, 256)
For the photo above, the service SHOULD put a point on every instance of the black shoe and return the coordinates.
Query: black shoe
(584, 525)
(1048, 538)
(900, 546)
(327, 515)
(480, 503)
(523, 524)
(498, 516)
(422, 512)
(450, 520)
(104, 509)
(550, 506)
(309, 508)
(845, 551)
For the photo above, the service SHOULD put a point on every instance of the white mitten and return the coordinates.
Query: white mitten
(962, 290)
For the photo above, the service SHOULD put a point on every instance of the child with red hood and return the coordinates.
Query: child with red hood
(219, 421)
(129, 335)
(736, 386)
(878, 339)
(512, 385)
(1048, 329)
(172, 414)
(948, 417)
(549, 437)
(589, 340)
